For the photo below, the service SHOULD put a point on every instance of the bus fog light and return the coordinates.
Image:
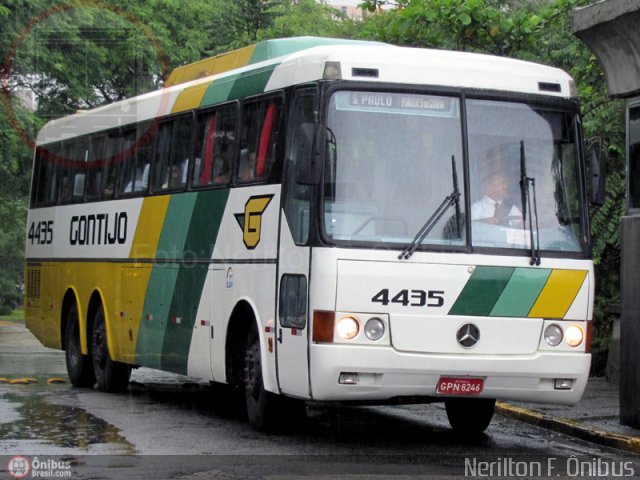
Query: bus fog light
(574, 335)
(553, 335)
(348, 328)
(347, 378)
(374, 329)
(563, 384)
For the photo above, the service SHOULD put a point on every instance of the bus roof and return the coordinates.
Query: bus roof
(276, 64)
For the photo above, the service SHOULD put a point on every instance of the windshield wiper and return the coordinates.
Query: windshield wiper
(527, 207)
(452, 199)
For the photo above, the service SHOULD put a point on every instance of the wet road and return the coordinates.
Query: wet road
(168, 426)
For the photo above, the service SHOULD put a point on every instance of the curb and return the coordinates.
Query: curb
(569, 427)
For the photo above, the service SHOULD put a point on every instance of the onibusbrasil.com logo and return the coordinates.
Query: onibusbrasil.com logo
(23, 467)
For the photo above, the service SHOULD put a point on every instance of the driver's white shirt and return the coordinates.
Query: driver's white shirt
(486, 208)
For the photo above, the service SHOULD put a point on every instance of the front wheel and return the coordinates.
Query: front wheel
(470, 416)
(111, 376)
(79, 366)
(261, 404)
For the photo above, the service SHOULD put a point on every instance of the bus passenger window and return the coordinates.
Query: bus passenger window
(173, 153)
(46, 175)
(137, 148)
(258, 140)
(73, 171)
(214, 147)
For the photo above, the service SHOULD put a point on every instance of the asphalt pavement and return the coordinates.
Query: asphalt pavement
(595, 418)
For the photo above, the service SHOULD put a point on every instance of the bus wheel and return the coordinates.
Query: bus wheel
(79, 366)
(111, 376)
(260, 403)
(469, 416)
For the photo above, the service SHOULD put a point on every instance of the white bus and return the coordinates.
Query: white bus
(323, 219)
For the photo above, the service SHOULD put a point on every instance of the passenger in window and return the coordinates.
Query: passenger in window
(221, 171)
(247, 170)
(174, 177)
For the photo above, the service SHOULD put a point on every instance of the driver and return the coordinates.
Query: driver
(495, 207)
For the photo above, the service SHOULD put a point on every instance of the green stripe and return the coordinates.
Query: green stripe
(208, 210)
(521, 292)
(251, 83)
(218, 91)
(176, 225)
(189, 232)
(482, 291)
(157, 304)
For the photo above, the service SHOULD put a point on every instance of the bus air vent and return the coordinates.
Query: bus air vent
(549, 87)
(33, 283)
(365, 72)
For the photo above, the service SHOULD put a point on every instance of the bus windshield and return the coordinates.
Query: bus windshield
(389, 168)
(506, 141)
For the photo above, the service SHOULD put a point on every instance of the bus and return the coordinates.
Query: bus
(317, 219)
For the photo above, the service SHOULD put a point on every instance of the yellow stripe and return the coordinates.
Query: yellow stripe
(558, 294)
(190, 98)
(152, 215)
(211, 66)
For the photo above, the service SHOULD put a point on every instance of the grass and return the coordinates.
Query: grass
(16, 316)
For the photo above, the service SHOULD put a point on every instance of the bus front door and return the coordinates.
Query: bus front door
(292, 324)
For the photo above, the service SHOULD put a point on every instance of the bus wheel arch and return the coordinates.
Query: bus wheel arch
(79, 366)
(244, 368)
(241, 321)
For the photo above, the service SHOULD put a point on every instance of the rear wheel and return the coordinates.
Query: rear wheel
(79, 366)
(111, 376)
(470, 416)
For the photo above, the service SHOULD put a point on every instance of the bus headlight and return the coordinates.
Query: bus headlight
(553, 335)
(348, 327)
(374, 329)
(574, 335)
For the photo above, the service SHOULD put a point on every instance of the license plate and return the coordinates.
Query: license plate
(460, 386)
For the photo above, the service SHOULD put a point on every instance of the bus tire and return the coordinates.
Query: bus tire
(79, 366)
(111, 376)
(261, 404)
(469, 416)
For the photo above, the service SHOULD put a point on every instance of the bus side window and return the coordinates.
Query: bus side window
(73, 171)
(173, 154)
(214, 147)
(297, 197)
(95, 167)
(258, 140)
(137, 149)
(45, 177)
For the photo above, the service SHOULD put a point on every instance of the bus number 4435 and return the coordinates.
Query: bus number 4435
(410, 298)
(41, 233)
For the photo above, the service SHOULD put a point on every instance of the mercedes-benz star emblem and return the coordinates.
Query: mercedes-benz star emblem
(468, 335)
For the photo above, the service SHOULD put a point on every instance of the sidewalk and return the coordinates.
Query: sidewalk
(595, 418)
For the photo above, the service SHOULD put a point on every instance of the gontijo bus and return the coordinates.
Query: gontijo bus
(303, 219)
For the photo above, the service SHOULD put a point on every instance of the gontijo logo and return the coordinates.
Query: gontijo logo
(251, 220)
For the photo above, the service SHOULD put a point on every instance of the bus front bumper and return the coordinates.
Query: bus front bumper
(379, 374)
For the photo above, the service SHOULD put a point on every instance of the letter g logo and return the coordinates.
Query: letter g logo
(251, 220)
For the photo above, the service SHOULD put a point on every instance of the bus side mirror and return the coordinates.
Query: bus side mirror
(597, 172)
(307, 154)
